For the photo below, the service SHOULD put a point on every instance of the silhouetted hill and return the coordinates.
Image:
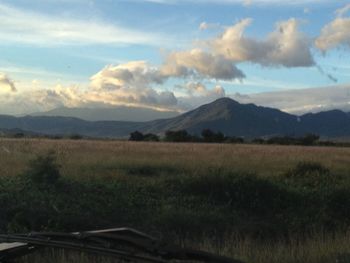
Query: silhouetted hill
(231, 118)
(225, 115)
(109, 114)
(67, 126)
(334, 123)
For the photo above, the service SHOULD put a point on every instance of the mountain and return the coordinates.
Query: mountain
(109, 114)
(225, 115)
(335, 123)
(16, 133)
(68, 126)
(231, 118)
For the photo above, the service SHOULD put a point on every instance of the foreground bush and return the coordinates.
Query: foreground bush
(309, 198)
(43, 170)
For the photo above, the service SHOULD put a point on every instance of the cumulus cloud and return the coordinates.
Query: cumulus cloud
(133, 73)
(199, 62)
(285, 46)
(6, 84)
(130, 83)
(199, 89)
(334, 34)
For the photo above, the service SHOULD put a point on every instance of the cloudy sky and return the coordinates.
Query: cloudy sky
(174, 54)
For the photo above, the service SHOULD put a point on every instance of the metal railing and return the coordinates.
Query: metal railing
(120, 243)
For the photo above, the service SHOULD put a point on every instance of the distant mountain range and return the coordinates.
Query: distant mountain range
(120, 113)
(225, 115)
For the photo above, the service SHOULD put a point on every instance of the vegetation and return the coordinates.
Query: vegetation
(209, 136)
(257, 203)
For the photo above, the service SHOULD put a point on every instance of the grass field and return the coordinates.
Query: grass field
(104, 158)
(252, 202)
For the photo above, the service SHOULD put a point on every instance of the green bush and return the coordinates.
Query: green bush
(44, 170)
(311, 175)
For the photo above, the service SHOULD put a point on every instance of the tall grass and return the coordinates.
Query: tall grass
(90, 158)
(256, 203)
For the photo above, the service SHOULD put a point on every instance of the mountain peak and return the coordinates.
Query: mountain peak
(225, 100)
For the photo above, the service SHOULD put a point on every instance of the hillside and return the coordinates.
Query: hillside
(109, 114)
(225, 115)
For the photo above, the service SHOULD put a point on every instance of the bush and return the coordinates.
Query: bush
(75, 137)
(150, 137)
(310, 139)
(44, 170)
(310, 175)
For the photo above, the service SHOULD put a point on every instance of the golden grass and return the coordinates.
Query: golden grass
(95, 158)
(104, 158)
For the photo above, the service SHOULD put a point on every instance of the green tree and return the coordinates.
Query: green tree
(136, 136)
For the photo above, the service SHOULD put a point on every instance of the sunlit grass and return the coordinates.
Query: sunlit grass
(163, 163)
(89, 158)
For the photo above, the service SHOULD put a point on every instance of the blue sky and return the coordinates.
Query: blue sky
(76, 53)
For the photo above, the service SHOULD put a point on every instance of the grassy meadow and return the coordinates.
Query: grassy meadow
(257, 203)
(103, 158)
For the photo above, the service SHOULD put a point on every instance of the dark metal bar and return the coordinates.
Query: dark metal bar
(122, 243)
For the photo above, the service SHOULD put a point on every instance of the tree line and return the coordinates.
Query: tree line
(209, 136)
(206, 135)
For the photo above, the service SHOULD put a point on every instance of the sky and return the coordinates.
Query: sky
(174, 55)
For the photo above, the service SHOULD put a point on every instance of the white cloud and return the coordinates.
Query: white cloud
(130, 83)
(334, 34)
(206, 25)
(199, 89)
(6, 84)
(286, 46)
(199, 62)
(29, 27)
(342, 11)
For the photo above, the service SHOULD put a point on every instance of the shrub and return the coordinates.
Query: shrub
(150, 137)
(310, 139)
(75, 137)
(310, 175)
(44, 169)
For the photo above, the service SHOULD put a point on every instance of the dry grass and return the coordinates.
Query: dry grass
(104, 158)
(317, 249)
(95, 158)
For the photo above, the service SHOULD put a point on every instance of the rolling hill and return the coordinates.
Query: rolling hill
(109, 114)
(225, 115)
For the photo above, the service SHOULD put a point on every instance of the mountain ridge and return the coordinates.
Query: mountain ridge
(225, 115)
(120, 113)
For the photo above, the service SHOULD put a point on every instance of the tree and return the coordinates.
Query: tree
(136, 136)
(210, 136)
(310, 139)
(177, 136)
